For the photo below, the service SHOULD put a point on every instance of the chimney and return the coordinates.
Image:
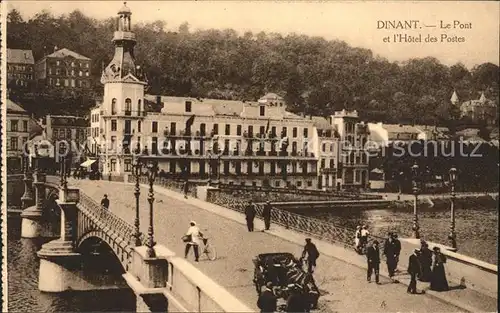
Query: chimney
(158, 101)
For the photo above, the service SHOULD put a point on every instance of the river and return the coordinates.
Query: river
(23, 293)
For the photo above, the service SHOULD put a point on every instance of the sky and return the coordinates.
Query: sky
(355, 22)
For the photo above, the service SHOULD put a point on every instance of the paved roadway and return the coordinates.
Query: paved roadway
(344, 286)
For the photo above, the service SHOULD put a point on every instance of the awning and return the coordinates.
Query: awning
(87, 163)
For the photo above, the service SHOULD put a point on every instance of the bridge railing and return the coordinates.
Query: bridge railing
(327, 231)
(101, 214)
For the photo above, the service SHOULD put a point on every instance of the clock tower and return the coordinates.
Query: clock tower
(123, 107)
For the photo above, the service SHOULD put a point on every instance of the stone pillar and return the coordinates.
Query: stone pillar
(32, 224)
(148, 278)
(59, 262)
(27, 198)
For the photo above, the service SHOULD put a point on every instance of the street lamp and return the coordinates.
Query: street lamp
(137, 170)
(453, 179)
(415, 174)
(152, 173)
(209, 169)
(218, 170)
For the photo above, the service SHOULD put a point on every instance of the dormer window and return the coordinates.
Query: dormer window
(187, 106)
(262, 110)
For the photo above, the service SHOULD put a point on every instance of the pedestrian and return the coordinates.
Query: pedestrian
(438, 277)
(414, 269)
(105, 202)
(312, 255)
(397, 247)
(250, 213)
(185, 188)
(390, 255)
(296, 302)
(267, 301)
(364, 237)
(357, 239)
(266, 214)
(193, 238)
(425, 258)
(373, 259)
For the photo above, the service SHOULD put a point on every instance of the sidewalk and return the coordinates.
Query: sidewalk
(465, 299)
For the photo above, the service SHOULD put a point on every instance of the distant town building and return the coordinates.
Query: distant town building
(65, 127)
(64, 69)
(385, 134)
(481, 110)
(353, 159)
(429, 132)
(18, 133)
(20, 67)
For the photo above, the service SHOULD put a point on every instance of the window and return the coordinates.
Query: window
(50, 70)
(216, 129)
(72, 64)
(139, 109)
(113, 165)
(250, 130)
(262, 110)
(139, 124)
(294, 132)
(66, 83)
(73, 84)
(238, 130)
(187, 106)
(128, 165)
(13, 125)
(323, 148)
(277, 183)
(128, 106)
(228, 129)
(58, 63)
(58, 82)
(113, 125)
(68, 133)
(254, 183)
(309, 183)
(306, 133)
(203, 129)
(13, 143)
(87, 73)
(113, 106)
(80, 73)
(154, 127)
(72, 72)
(283, 131)
(154, 145)
(323, 161)
(332, 165)
(173, 128)
(299, 183)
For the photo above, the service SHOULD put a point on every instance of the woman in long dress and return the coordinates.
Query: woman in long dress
(357, 237)
(438, 278)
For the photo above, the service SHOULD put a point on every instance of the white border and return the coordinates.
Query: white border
(3, 59)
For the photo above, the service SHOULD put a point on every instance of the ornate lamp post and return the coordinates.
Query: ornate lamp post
(415, 174)
(453, 180)
(27, 198)
(137, 170)
(152, 173)
(61, 169)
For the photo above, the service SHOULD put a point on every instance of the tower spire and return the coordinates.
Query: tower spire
(123, 62)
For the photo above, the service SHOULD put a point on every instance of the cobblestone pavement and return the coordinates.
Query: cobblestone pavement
(344, 286)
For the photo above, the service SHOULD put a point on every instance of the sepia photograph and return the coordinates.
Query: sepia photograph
(250, 156)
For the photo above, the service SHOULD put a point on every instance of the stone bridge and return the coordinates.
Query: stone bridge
(83, 230)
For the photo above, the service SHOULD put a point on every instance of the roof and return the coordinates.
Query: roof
(13, 107)
(271, 96)
(63, 120)
(65, 53)
(454, 97)
(431, 131)
(125, 9)
(400, 129)
(321, 123)
(20, 56)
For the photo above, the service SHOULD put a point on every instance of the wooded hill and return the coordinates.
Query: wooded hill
(315, 76)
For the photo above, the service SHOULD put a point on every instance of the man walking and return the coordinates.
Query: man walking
(312, 255)
(185, 189)
(390, 254)
(413, 270)
(397, 248)
(373, 258)
(267, 301)
(193, 237)
(250, 215)
(266, 214)
(105, 202)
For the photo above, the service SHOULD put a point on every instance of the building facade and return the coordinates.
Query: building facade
(353, 156)
(236, 142)
(20, 68)
(64, 69)
(327, 151)
(18, 132)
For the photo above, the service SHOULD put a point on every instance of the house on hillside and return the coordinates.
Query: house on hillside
(18, 133)
(480, 110)
(64, 69)
(20, 68)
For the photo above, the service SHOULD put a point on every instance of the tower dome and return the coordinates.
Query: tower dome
(125, 9)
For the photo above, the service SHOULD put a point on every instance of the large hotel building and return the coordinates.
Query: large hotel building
(255, 143)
